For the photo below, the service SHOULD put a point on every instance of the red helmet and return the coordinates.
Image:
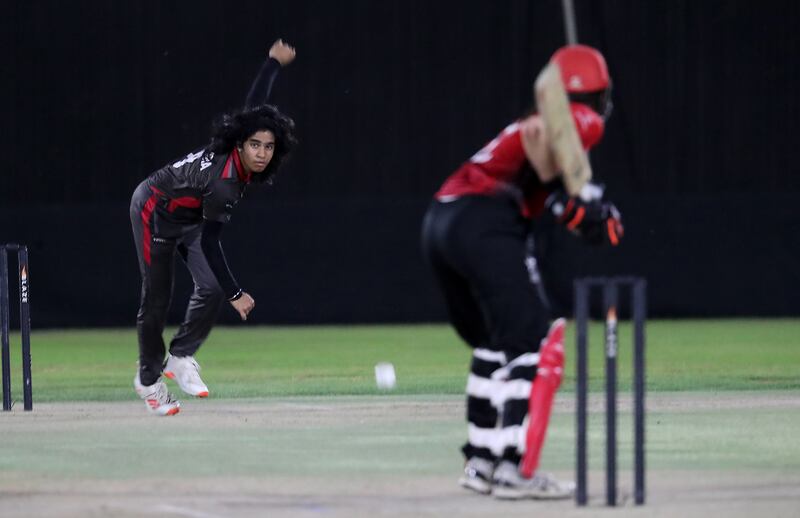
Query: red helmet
(583, 69)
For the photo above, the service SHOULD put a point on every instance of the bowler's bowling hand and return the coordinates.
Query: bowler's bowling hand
(244, 305)
(282, 52)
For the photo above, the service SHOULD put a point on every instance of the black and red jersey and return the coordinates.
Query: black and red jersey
(203, 185)
(202, 188)
(198, 186)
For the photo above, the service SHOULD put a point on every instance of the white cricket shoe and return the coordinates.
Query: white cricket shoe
(186, 373)
(477, 475)
(156, 397)
(510, 485)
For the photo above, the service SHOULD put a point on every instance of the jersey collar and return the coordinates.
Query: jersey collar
(237, 162)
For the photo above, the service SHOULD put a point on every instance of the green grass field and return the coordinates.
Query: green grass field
(296, 426)
(244, 361)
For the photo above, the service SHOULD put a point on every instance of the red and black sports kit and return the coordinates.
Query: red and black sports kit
(476, 239)
(183, 207)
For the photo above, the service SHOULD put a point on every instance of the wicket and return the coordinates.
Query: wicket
(638, 291)
(24, 323)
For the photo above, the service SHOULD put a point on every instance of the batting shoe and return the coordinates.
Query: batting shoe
(477, 475)
(186, 373)
(156, 397)
(508, 484)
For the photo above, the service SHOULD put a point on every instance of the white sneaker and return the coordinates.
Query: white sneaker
(477, 475)
(510, 485)
(186, 373)
(158, 400)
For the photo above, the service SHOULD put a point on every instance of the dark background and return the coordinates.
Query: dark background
(389, 97)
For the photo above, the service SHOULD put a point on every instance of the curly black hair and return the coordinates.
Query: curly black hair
(234, 128)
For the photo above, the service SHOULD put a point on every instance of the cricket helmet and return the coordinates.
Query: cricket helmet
(585, 76)
(583, 69)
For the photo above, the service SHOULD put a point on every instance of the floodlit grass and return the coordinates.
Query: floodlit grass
(295, 410)
(244, 361)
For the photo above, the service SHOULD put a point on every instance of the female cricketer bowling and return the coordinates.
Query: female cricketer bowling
(183, 207)
(474, 237)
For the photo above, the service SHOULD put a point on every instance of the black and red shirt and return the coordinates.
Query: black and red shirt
(199, 186)
(202, 185)
(203, 188)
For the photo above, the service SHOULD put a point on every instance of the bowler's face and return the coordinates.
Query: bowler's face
(257, 151)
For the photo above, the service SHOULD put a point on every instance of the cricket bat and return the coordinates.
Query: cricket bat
(553, 106)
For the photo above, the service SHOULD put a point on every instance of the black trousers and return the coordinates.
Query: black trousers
(156, 241)
(478, 249)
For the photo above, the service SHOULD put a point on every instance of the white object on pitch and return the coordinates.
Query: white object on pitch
(384, 376)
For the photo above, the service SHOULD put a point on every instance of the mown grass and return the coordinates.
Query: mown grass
(243, 361)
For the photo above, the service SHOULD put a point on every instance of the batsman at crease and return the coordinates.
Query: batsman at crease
(477, 237)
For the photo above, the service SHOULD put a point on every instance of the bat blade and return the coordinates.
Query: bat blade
(553, 106)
